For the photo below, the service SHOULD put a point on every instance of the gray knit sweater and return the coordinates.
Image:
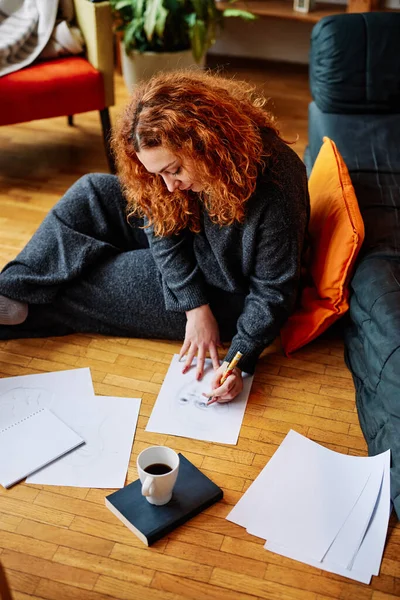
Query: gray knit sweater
(260, 257)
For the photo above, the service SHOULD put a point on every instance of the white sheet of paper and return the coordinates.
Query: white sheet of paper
(180, 408)
(32, 442)
(108, 425)
(305, 495)
(362, 576)
(368, 558)
(27, 393)
(253, 497)
(348, 541)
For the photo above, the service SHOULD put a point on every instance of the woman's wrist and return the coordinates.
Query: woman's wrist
(203, 308)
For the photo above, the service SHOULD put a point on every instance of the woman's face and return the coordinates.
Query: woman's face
(176, 173)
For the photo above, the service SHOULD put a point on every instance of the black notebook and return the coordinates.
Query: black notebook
(193, 492)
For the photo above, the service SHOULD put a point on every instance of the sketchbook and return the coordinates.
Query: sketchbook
(29, 442)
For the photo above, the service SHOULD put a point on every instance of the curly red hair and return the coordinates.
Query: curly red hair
(203, 117)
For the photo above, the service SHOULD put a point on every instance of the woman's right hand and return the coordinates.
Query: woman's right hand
(201, 336)
(229, 389)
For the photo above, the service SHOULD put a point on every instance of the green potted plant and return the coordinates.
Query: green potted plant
(166, 34)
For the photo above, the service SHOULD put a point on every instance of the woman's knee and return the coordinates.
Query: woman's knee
(94, 199)
(100, 185)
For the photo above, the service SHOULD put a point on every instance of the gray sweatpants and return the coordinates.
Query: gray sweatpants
(87, 269)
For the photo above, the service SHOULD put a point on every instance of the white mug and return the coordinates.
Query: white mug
(158, 482)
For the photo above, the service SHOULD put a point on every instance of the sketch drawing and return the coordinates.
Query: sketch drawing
(181, 409)
(17, 402)
(190, 405)
(94, 431)
(106, 424)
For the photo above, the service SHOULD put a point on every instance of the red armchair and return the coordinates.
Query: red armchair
(67, 86)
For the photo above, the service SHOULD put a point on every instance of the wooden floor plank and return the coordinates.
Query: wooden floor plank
(31, 565)
(125, 591)
(169, 564)
(269, 590)
(194, 590)
(54, 590)
(109, 566)
(65, 537)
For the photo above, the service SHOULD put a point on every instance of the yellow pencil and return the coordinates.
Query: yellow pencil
(228, 371)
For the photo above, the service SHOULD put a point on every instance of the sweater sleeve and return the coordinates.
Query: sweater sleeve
(275, 277)
(182, 280)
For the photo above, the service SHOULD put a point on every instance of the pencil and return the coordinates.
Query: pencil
(228, 371)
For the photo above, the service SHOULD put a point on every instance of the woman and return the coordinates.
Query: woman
(211, 250)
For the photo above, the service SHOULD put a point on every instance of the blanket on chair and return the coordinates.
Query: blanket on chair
(25, 28)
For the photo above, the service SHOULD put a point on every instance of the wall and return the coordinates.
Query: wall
(269, 38)
(265, 38)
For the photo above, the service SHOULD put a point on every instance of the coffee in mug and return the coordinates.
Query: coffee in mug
(158, 469)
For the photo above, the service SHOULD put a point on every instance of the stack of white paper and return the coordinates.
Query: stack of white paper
(320, 507)
(106, 424)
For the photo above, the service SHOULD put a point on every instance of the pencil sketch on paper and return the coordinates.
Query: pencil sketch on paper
(16, 403)
(107, 425)
(181, 408)
(94, 431)
(190, 405)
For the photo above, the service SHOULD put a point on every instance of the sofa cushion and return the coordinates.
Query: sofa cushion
(374, 168)
(372, 351)
(55, 88)
(336, 234)
(367, 142)
(355, 82)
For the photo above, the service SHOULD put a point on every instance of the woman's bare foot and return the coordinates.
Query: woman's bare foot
(12, 312)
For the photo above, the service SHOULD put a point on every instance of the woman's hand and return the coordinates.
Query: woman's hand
(228, 390)
(202, 335)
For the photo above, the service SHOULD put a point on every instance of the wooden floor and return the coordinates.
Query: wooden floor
(62, 543)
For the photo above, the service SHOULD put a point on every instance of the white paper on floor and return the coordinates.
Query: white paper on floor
(108, 425)
(180, 408)
(369, 556)
(320, 507)
(27, 393)
(32, 442)
(307, 484)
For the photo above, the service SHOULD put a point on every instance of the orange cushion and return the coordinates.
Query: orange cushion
(336, 234)
(54, 88)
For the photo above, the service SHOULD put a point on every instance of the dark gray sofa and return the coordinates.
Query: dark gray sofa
(355, 85)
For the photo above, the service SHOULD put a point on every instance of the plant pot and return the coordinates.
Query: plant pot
(141, 66)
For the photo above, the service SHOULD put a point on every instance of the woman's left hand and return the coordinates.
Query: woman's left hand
(201, 336)
(231, 387)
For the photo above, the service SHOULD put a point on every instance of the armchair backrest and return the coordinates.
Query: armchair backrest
(355, 63)
(95, 22)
